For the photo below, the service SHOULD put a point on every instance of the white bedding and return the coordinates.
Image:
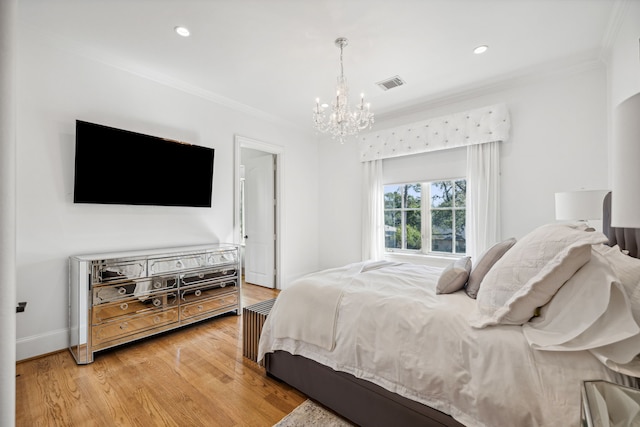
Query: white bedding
(393, 330)
(311, 305)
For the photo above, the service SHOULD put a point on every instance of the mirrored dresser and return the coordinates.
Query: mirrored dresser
(120, 297)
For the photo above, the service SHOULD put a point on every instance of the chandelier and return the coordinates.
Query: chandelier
(342, 121)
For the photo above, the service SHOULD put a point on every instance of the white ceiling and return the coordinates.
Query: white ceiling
(277, 56)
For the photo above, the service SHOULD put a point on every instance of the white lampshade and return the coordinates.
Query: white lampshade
(579, 205)
(625, 195)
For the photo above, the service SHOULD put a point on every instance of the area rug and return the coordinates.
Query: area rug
(310, 413)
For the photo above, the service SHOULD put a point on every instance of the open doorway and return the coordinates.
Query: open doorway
(257, 210)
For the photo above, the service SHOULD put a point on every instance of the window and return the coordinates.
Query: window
(402, 216)
(426, 217)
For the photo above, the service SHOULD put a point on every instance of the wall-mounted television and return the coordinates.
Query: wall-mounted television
(115, 166)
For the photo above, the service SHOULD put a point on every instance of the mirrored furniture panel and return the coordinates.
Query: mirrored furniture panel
(119, 297)
(606, 404)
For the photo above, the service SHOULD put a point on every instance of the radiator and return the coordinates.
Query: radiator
(253, 318)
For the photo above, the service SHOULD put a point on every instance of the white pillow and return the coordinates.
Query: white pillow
(589, 312)
(454, 277)
(529, 274)
(628, 271)
(626, 268)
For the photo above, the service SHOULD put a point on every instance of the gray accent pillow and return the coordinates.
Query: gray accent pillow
(484, 264)
(454, 276)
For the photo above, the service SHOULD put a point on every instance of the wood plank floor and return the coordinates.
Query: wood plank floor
(195, 376)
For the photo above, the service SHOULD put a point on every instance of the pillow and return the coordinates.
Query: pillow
(454, 276)
(589, 312)
(627, 269)
(530, 273)
(484, 264)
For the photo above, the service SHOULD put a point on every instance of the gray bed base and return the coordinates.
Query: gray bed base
(362, 402)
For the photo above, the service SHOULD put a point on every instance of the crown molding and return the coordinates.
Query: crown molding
(616, 18)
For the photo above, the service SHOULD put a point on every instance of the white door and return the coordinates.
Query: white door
(259, 216)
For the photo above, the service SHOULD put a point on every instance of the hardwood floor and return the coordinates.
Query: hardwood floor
(195, 376)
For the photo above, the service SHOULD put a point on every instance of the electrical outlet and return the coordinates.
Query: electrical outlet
(21, 307)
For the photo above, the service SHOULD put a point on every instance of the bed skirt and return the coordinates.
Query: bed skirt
(360, 401)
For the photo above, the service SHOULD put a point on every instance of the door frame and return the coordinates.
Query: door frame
(277, 151)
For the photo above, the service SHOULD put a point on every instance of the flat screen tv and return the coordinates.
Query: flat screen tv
(115, 166)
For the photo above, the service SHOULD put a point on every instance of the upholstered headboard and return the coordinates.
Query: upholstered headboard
(626, 238)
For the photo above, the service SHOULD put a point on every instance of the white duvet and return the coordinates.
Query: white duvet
(393, 330)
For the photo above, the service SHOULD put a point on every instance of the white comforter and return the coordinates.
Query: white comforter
(393, 330)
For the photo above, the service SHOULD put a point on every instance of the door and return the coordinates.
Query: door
(259, 219)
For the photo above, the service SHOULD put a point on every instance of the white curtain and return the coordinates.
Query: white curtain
(483, 197)
(373, 211)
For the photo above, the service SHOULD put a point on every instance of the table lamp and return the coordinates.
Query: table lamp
(581, 205)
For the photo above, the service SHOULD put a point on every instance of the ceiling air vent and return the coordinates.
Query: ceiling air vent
(390, 83)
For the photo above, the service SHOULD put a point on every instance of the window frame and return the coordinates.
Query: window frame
(426, 220)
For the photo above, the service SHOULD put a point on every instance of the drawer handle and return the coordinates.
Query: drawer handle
(157, 302)
(200, 308)
(156, 319)
(198, 293)
(124, 306)
(179, 264)
(201, 275)
(222, 285)
(122, 291)
(124, 325)
(157, 285)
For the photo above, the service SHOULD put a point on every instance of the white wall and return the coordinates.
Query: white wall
(623, 59)
(8, 78)
(57, 86)
(339, 234)
(558, 143)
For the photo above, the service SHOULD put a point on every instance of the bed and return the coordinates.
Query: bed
(396, 344)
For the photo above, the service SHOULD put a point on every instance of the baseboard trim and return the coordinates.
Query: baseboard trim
(40, 345)
(40, 356)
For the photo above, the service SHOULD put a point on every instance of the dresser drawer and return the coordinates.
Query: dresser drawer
(111, 331)
(222, 257)
(139, 289)
(204, 308)
(213, 290)
(211, 277)
(177, 263)
(157, 302)
(118, 269)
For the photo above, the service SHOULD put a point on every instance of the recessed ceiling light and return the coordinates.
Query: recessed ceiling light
(182, 31)
(480, 49)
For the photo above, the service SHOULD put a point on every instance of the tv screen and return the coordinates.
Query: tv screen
(114, 166)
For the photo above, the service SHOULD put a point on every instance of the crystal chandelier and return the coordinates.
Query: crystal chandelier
(341, 121)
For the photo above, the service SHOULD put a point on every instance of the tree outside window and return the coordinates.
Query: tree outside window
(402, 216)
(434, 223)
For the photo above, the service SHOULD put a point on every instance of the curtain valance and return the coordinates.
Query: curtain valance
(477, 126)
